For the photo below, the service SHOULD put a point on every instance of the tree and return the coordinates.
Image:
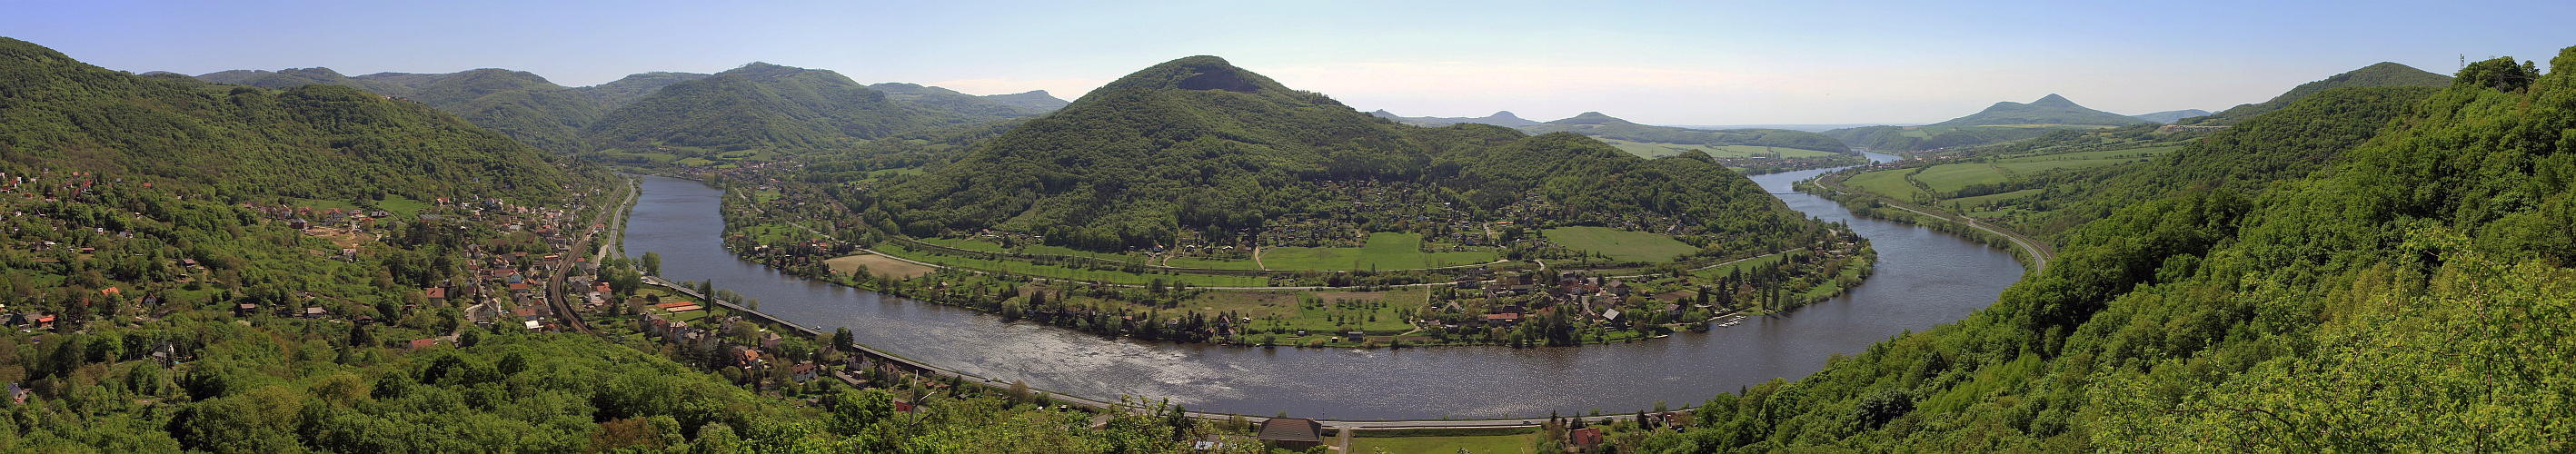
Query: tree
(652, 263)
(854, 410)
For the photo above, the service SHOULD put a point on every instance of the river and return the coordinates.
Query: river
(1923, 278)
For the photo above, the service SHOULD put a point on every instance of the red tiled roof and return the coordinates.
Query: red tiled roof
(1587, 436)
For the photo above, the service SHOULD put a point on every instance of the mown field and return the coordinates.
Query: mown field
(1747, 264)
(1889, 182)
(1952, 177)
(986, 245)
(877, 265)
(1279, 315)
(1992, 198)
(1384, 251)
(1212, 264)
(1068, 273)
(1620, 244)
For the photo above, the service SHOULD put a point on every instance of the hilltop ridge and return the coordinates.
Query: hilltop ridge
(2382, 74)
(316, 141)
(761, 105)
(2051, 109)
(1196, 144)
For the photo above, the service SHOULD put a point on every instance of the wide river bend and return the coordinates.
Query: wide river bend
(1924, 278)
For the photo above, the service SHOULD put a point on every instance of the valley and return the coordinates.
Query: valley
(1256, 254)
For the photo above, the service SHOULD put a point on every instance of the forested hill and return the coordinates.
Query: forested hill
(1500, 118)
(2382, 74)
(626, 90)
(2410, 297)
(1598, 125)
(981, 108)
(2048, 110)
(762, 105)
(515, 103)
(291, 77)
(233, 142)
(1199, 144)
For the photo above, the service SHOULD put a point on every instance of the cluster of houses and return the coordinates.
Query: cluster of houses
(1589, 439)
(35, 186)
(712, 337)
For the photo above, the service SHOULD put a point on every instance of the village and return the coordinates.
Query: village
(513, 269)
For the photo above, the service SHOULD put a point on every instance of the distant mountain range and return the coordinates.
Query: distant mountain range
(759, 105)
(2048, 110)
(2001, 122)
(1501, 118)
(1597, 124)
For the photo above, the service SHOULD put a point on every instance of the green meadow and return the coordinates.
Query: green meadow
(1385, 251)
(1620, 244)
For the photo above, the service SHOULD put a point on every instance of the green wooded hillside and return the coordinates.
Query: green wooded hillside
(292, 77)
(1032, 101)
(2408, 297)
(979, 108)
(626, 90)
(2288, 144)
(233, 142)
(516, 103)
(761, 105)
(2382, 74)
(1198, 144)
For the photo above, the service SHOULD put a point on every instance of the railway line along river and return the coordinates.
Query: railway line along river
(1924, 278)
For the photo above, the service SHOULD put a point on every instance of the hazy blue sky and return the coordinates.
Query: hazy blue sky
(1699, 62)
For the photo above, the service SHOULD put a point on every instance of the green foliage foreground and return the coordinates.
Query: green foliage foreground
(2412, 297)
(289, 386)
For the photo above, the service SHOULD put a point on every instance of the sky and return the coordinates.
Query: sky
(1670, 63)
